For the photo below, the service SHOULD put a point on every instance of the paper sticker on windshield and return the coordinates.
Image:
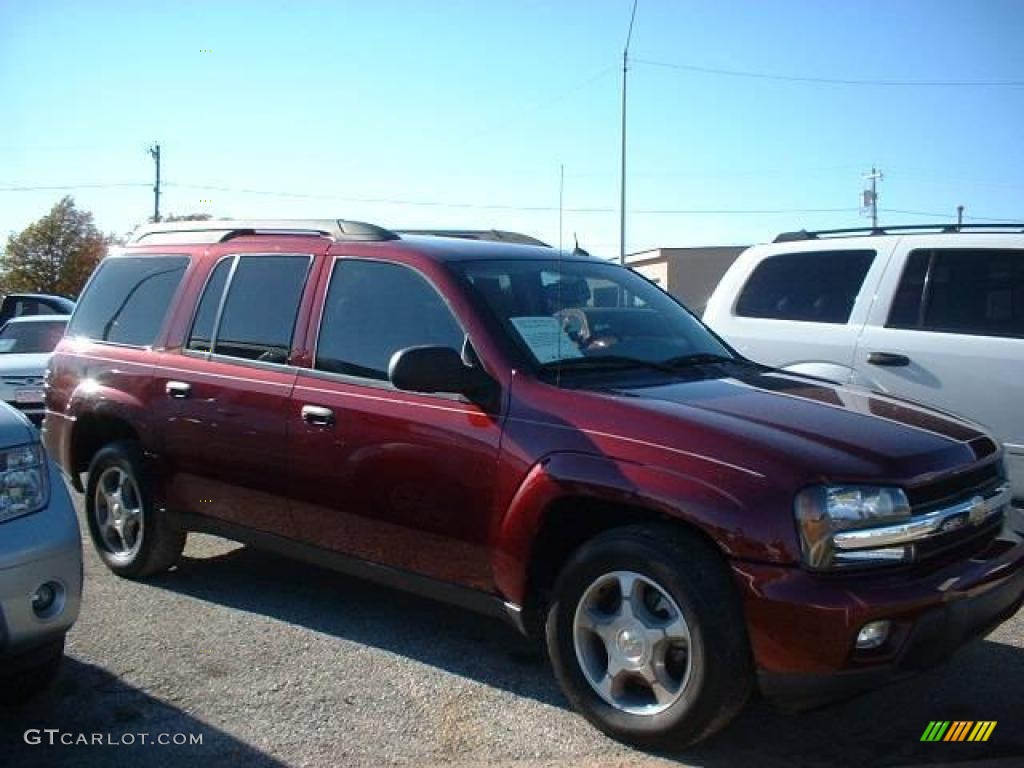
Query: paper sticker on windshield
(545, 338)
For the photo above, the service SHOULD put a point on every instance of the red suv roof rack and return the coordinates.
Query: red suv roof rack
(216, 231)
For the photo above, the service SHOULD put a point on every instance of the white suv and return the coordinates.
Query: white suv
(928, 313)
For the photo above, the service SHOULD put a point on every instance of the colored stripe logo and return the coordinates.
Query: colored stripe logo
(958, 730)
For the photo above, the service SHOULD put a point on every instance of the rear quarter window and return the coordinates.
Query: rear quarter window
(812, 286)
(127, 299)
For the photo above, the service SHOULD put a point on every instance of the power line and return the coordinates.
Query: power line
(505, 207)
(743, 211)
(495, 207)
(835, 80)
(540, 105)
(384, 200)
(58, 187)
(948, 216)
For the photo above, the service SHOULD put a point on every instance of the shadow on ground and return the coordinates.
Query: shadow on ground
(985, 681)
(87, 700)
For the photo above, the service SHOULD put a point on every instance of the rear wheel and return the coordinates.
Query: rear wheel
(647, 637)
(131, 537)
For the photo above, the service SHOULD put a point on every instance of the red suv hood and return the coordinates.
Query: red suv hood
(831, 430)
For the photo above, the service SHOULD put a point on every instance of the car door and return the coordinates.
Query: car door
(393, 477)
(224, 397)
(800, 309)
(948, 330)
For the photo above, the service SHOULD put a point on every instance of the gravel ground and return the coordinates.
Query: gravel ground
(275, 663)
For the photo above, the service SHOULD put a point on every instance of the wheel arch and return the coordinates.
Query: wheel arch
(568, 499)
(92, 431)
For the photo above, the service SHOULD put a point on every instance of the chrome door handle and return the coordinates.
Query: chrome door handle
(317, 415)
(178, 389)
(888, 358)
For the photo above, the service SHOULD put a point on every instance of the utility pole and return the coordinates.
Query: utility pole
(622, 170)
(870, 196)
(154, 152)
(959, 217)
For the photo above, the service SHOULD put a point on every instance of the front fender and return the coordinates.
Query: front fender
(739, 531)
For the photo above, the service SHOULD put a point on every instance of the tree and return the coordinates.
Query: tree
(55, 254)
(187, 217)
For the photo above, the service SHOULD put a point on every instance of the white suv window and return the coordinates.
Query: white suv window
(976, 292)
(812, 286)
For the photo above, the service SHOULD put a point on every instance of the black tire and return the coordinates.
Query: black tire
(161, 542)
(695, 576)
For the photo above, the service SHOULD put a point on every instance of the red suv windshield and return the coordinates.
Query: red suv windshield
(578, 314)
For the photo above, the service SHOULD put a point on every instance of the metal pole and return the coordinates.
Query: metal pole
(874, 199)
(154, 151)
(959, 216)
(874, 177)
(622, 170)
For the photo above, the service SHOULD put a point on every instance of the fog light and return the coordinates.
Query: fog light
(873, 635)
(45, 600)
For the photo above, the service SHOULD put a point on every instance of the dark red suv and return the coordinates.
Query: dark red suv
(548, 438)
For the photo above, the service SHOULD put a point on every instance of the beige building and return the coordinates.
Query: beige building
(689, 274)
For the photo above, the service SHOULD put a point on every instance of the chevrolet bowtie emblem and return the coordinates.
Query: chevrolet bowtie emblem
(976, 512)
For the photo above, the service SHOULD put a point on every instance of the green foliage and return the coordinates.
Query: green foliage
(56, 254)
(187, 217)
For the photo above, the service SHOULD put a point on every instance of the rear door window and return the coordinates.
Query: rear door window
(128, 298)
(968, 291)
(261, 306)
(812, 286)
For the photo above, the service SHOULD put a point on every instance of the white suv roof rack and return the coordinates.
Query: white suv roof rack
(906, 229)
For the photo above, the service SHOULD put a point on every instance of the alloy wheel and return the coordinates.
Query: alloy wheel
(632, 643)
(118, 513)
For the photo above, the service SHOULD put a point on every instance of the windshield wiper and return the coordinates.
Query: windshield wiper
(698, 358)
(605, 362)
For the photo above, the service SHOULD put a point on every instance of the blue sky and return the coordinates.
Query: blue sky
(460, 113)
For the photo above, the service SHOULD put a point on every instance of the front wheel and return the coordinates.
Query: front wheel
(647, 637)
(131, 536)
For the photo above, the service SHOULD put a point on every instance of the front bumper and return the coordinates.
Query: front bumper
(44, 547)
(803, 626)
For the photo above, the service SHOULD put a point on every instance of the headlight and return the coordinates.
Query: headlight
(22, 481)
(823, 511)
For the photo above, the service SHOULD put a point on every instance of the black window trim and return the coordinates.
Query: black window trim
(211, 355)
(220, 308)
(161, 334)
(925, 295)
(384, 384)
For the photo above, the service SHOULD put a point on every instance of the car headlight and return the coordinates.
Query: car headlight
(22, 481)
(823, 511)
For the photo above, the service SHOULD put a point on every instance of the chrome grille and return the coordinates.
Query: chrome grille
(979, 481)
(972, 520)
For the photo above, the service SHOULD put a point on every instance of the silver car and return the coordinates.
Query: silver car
(25, 347)
(40, 560)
